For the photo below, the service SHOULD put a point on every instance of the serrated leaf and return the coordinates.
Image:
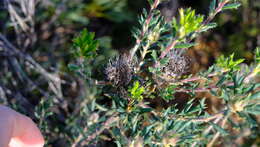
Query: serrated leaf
(85, 44)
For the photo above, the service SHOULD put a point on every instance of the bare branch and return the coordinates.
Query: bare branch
(53, 79)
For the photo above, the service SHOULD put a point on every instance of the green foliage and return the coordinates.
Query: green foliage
(229, 63)
(185, 45)
(85, 44)
(168, 93)
(160, 104)
(136, 91)
(231, 6)
(43, 111)
(188, 23)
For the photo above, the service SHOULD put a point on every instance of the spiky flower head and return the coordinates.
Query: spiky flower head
(178, 64)
(120, 70)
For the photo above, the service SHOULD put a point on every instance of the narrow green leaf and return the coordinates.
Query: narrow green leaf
(231, 6)
(249, 89)
(255, 96)
(225, 95)
(212, 6)
(73, 67)
(221, 81)
(145, 110)
(257, 54)
(208, 27)
(253, 109)
(164, 61)
(249, 118)
(222, 131)
(154, 55)
(184, 45)
(184, 125)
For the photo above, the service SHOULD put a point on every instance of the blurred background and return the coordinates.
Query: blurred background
(44, 29)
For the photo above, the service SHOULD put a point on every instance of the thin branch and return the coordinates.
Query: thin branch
(198, 78)
(53, 79)
(210, 118)
(104, 126)
(208, 20)
(144, 28)
(168, 48)
(208, 130)
(217, 10)
(216, 136)
(199, 119)
(202, 119)
(197, 90)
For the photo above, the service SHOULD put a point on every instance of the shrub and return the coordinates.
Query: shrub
(144, 96)
(155, 69)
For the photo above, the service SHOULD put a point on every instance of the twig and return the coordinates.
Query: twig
(198, 78)
(198, 90)
(200, 119)
(210, 118)
(144, 29)
(212, 87)
(53, 79)
(20, 99)
(79, 138)
(217, 10)
(174, 41)
(168, 48)
(208, 130)
(22, 17)
(216, 136)
(104, 126)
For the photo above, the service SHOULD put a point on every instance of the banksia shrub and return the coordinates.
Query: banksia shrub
(142, 96)
(160, 74)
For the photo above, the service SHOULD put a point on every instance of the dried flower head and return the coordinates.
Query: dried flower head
(178, 64)
(120, 70)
